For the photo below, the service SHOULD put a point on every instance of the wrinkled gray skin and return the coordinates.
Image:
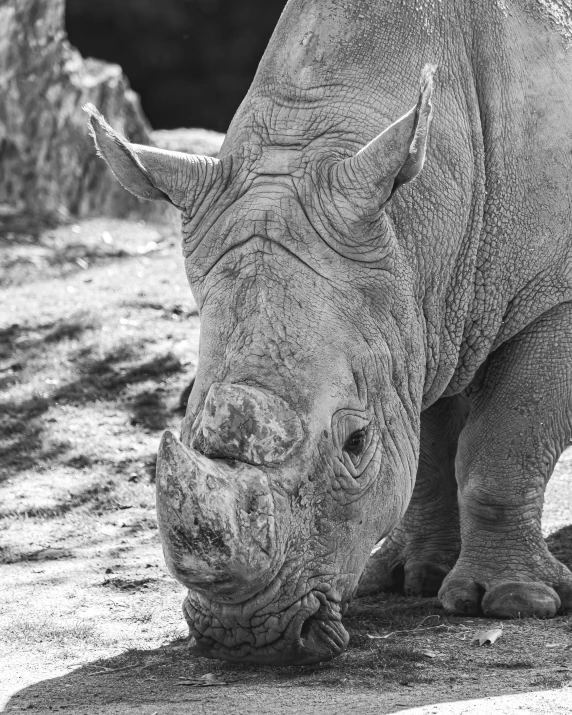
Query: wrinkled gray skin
(430, 320)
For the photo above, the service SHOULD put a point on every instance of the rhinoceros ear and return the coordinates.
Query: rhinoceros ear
(152, 173)
(395, 157)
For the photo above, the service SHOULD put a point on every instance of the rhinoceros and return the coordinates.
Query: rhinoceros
(382, 260)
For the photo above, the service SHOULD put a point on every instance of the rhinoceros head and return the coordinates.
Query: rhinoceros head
(299, 447)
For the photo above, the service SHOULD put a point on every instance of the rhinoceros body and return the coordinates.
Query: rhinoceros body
(386, 343)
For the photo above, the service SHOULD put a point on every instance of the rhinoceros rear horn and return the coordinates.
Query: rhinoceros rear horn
(395, 157)
(152, 173)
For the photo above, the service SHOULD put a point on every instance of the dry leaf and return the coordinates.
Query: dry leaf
(489, 636)
(429, 653)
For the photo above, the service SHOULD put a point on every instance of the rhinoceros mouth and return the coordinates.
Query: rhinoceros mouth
(313, 633)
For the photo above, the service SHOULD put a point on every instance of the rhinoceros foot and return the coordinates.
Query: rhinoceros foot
(421, 550)
(404, 565)
(470, 590)
(416, 578)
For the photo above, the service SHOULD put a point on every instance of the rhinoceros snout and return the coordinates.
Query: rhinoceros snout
(248, 424)
(216, 522)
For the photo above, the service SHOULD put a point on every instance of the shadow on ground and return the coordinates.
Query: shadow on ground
(167, 680)
(404, 653)
(124, 373)
(171, 676)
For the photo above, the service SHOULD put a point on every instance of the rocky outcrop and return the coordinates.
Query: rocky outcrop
(48, 165)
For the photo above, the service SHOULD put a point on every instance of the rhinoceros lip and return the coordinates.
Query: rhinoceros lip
(319, 637)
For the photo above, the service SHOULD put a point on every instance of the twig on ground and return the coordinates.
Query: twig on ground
(413, 630)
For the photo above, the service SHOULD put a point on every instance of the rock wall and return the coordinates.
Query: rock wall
(47, 162)
(48, 165)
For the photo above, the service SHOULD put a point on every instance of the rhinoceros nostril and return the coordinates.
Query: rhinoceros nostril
(249, 424)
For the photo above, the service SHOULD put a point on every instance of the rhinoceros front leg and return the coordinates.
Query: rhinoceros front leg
(424, 546)
(520, 422)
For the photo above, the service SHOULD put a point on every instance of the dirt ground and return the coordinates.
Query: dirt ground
(98, 343)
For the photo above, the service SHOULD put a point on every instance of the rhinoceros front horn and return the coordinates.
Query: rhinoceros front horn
(216, 521)
(150, 173)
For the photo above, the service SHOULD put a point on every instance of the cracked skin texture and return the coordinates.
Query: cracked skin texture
(437, 319)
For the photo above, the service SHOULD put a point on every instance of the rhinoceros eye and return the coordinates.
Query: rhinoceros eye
(354, 439)
(355, 443)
